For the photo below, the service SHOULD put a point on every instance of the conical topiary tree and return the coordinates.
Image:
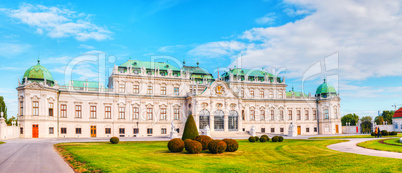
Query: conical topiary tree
(190, 129)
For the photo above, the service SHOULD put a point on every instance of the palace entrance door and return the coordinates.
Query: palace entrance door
(35, 131)
(93, 131)
(298, 130)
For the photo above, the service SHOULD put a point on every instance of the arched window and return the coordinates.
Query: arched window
(219, 121)
(204, 118)
(233, 120)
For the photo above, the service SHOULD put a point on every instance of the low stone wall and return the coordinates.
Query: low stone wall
(350, 130)
(8, 132)
(386, 127)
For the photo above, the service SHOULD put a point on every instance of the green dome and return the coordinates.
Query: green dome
(38, 73)
(325, 88)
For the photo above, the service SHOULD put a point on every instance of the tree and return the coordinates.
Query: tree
(387, 115)
(366, 124)
(3, 108)
(190, 129)
(379, 120)
(352, 118)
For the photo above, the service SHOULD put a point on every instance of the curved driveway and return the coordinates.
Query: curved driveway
(351, 147)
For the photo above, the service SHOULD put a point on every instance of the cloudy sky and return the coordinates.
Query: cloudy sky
(356, 45)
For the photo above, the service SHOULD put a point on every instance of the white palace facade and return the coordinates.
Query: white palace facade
(144, 98)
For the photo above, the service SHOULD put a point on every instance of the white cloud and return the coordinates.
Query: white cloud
(217, 49)
(59, 23)
(267, 19)
(292, 12)
(86, 46)
(12, 49)
(170, 48)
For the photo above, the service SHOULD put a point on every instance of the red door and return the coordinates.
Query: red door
(35, 131)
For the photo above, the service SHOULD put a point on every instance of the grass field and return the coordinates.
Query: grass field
(1, 142)
(384, 147)
(354, 136)
(287, 156)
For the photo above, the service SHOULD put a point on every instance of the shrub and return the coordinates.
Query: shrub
(256, 138)
(192, 146)
(384, 132)
(251, 139)
(232, 145)
(217, 146)
(275, 139)
(190, 129)
(114, 140)
(265, 136)
(372, 133)
(263, 139)
(394, 133)
(280, 138)
(204, 140)
(176, 145)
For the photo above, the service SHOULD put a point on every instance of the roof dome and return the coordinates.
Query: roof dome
(38, 73)
(325, 88)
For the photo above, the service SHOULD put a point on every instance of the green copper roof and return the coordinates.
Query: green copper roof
(38, 72)
(249, 72)
(91, 84)
(297, 94)
(193, 69)
(325, 88)
(149, 65)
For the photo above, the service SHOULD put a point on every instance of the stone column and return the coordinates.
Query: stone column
(3, 125)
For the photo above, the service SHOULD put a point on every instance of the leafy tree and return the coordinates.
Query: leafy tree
(352, 118)
(379, 120)
(190, 129)
(387, 115)
(366, 124)
(3, 108)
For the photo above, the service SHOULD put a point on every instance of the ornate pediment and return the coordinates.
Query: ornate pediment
(34, 86)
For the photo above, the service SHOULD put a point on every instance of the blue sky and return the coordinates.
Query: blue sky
(363, 40)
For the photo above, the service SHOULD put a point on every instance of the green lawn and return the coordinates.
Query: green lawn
(384, 147)
(1, 142)
(354, 136)
(287, 156)
(393, 141)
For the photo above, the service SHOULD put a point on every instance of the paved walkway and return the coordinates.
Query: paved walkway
(351, 147)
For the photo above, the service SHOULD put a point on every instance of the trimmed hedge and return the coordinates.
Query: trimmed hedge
(176, 145)
(114, 140)
(232, 145)
(217, 146)
(190, 129)
(265, 136)
(384, 133)
(251, 139)
(256, 138)
(192, 146)
(372, 133)
(275, 139)
(263, 139)
(280, 138)
(393, 133)
(204, 140)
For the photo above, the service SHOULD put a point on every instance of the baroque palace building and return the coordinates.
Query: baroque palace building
(147, 98)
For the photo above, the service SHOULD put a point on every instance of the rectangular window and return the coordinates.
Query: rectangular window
(136, 113)
(272, 115)
(262, 93)
(149, 89)
(93, 111)
(176, 114)
(122, 88)
(108, 112)
(136, 89)
(149, 113)
(242, 92)
(176, 91)
(21, 130)
(77, 130)
(21, 108)
(306, 114)
(271, 94)
(314, 115)
(63, 130)
(63, 111)
(51, 130)
(51, 109)
(281, 114)
(163, 113)
(272, 130)
(35, 108)
(243, 117)
(163, 131)
(163, 90)
(122, 112)
(262, 130)
(336, 112)
(252, 94)
(326, 114)
(307, 130)
(281, 130)
(281, 95)
(298, 114)
(252, 114)
(108, 130)
(315, 129)
(122, 130)
(78, 113)
(290, 114)
(135, 131)
(262, 115)
(149, 131)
